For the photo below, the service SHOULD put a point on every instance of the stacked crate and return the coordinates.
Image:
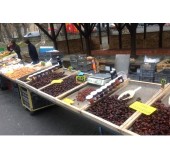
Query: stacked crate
(73, 61)
(164, 74)
(147, 72)
(83, 64)
(79, 62)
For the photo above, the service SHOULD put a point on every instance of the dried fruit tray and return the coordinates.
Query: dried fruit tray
(58, 90)
(43, 74)
(78, 96)
(148, 91)
(77, 105)
(144, 123)
(39, 73)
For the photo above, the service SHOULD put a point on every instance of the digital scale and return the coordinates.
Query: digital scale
(99, 79)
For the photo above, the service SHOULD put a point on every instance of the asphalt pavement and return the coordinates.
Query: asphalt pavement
(16, 120)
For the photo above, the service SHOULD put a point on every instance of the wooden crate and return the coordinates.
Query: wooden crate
(146, 93)
(164, 95)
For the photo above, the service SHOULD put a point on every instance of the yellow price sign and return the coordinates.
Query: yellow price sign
(28, 79)
(56, 81)
(143, 108)
(68, 101)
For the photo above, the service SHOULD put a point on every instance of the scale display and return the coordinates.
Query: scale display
(99, 79)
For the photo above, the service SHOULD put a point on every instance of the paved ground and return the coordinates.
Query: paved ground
(15, 120)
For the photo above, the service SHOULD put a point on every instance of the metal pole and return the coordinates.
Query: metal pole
(100, 37)
(144, 31)
(65, 32)
(108, 33)
(53, 36)
(160, 34)
(81, 38)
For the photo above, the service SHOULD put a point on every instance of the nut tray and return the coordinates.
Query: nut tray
(39, 72)
(57, 90)
(148, 121)
(74, 94)
(148, 91)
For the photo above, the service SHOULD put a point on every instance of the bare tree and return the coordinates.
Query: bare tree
(45, 26)
(18, 29)
(26, 27)
(1, 34)
(6, 29)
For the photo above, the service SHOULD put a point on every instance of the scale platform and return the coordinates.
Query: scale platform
(99, 79)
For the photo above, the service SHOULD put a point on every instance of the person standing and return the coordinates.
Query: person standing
(14, 47)
(32, 51)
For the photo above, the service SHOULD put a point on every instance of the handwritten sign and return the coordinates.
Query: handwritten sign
(143, 108)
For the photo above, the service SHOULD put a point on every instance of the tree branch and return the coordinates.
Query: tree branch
(57, 33)
(79, 28)
(40, 27)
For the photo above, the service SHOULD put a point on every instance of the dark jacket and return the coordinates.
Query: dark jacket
(33, 52)
(15, 48)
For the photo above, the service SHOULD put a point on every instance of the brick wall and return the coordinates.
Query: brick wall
(75, 45)
(151, 41)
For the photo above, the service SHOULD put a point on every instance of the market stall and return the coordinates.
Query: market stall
(95, 97)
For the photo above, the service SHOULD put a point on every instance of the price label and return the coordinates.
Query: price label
(70, 68)
(10, 72)
(28, 79)
(81, 78)
(143, 108)
(68, 101)
(56, 81)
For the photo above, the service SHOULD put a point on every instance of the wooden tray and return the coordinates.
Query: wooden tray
(72, 95)
(148, 91)
(163, 95)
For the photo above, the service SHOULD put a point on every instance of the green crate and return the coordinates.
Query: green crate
(2, 49)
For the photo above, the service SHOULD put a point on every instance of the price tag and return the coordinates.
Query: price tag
(28, 79)
(10, 72)
(81, 78)
(70, 68)
(56, 81)
(143, 108)
(68, 101)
